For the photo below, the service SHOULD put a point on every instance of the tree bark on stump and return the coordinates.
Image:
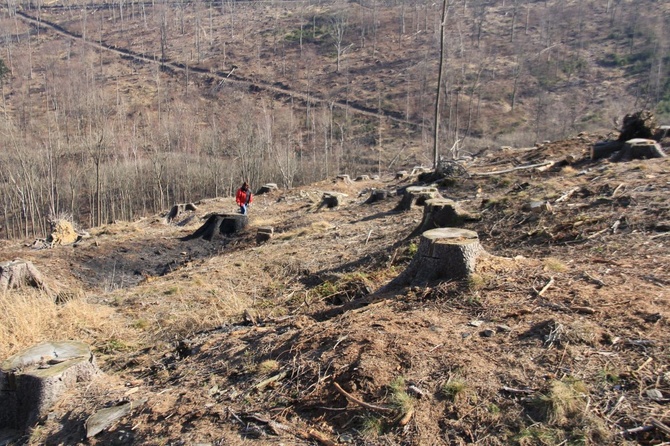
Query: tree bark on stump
(32, 381)
(331, 200)
(18, 273)
(377, 195)
(220, 224)
(178, 209)
(417, 196)
(344, 178)
(267, 188)
(442, 213)
(264, 234)
(443, 254)
(639, 149)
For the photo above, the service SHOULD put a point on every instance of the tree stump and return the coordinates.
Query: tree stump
(639, 149)
(220, 224)
(344, 178)
(363, 178)
(604, 149)
(442, 213)
(264, 234)
(401, 175)
(443, 254)
(32, 381)
(331, 200)
(179, 209)
(377, 195)
(267, 188)
(417, 196)
(18, 273)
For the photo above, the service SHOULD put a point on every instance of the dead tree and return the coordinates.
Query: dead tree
(31, 382)
(443, 254)
(442, 213)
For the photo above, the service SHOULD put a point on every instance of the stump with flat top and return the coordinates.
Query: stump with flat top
(267, 188)
(331, 200)
(344, 178)
(443, 254)
(31, 382)
(179, 209)
(220, 224)
(443, 213)
(19, 273)
(263, 234)
(417, 196)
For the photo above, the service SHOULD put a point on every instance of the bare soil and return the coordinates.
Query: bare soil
(559, 338)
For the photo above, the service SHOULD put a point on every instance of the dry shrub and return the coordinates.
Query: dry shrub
(28, 317)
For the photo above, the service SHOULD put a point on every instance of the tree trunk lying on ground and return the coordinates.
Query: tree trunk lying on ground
(442, 213)
(32, 381)
(19, 273)
(443, 254)
(220, 224)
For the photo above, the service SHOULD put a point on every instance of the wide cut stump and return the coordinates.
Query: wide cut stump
(443, 213)
(32, 381)
(417, 196)
(220, 224)
(443, 254)
(18, 273)
(179, 209)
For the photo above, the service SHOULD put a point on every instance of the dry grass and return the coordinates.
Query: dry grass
(28, 317)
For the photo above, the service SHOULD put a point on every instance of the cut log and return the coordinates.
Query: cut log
(639, 149)
(267, 188)
(220, 224)
(32, 381)
(377, 195)
(19, 273)
(443, 213)
(443, 254)
(179, 209)
(417, 196)
(264, 234)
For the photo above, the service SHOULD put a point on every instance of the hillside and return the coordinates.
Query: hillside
(560, 337)
(117, 110)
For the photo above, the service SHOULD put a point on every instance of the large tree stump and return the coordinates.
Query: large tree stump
(443, 254)
(344, 178)
(331, 200)
(32, 381)
(417, 196)
(263, 234)
(443, 213)
(19, 273)
(220, 224)
(639, 149)
(267, 188)
(179, 209)
(377, 195)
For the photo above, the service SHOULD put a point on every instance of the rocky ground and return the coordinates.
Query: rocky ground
(558, 338)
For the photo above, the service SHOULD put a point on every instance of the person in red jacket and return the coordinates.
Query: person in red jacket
(243, 198)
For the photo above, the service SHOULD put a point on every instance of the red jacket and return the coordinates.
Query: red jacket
(242, 195)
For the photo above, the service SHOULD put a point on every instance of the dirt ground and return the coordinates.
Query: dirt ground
(560, 337)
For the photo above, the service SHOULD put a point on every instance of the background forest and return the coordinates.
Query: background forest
(112, 110)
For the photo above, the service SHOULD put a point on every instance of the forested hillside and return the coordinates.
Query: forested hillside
(111, 110)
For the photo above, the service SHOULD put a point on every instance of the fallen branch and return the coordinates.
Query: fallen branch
(566, 196)
(263, 384)
(546, 287)
(660, 426)
(355, 400)
(499, 172)
(583, 310)
(517, 391)
(636, 430)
